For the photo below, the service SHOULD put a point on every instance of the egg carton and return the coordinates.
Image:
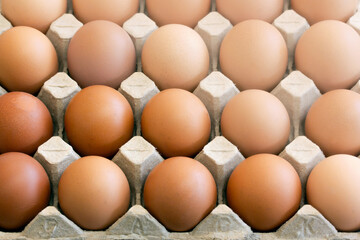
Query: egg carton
(138, 157)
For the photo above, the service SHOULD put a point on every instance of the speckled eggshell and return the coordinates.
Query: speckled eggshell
(179, 192)
(328, 53)
(254, 55)
(38, 14)
(93, 192)
(25, 123)
(98, 121)
(333, 188)
(186, 12)
(176, 122)
(101, 53)
(24, 190)
(265, 191)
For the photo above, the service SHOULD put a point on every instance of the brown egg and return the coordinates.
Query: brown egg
(186, 12)
(176, 122)
(25, 123)
(256, 122)
(175, 56)
(333, 122)
(24, 190)
(333, 188)
(38, 14)
(98, 121)
(253, 54)
(265, 191)
(240, 10)
(180, 192)
(319, 10)
(329, 53)
(112, 10)
(27, 59)
(101, 53)
(94, 192)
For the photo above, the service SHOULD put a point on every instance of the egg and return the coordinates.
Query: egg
(27, 59)
(93, 192)
(25, 123)
(38, 14)
(265, 191)
(333, 188)
(240, 10)
(101, 53)
(333, 122)
(186, 12)
(112, 10)
(176, 122)
(328, 53)
(256, 122)
(179, 192)
(254, 55)
(98, 121)
(319, 10)
(24, 190)
(175, 56)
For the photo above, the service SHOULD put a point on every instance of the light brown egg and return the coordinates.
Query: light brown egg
(240, 10)
(265, 191)
(25, 123)
(175, 56)
(101, 53)
(176, 122)
(256, 122)
(186, 12)
(27, 59)
(112, 10)
(98, 121)
(38, 14)
(254, 55)
(333, 122)
(319, 10)
(179, 192)
(94, 192)
(329, 53)
(333, 188)
(24, 190)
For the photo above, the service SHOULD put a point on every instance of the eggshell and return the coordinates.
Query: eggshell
(175, 56)
(265, 191)
(333, 188)
(180, 192)
(112, 10)
(333, 122)
(176, 122)
(38, 14)
(93, 192)
(25, 123)
(319, 10)
(254, 55)
(240, 10)
(101, 53)
(98, 121)
(328, 53)
(186, 12)
(256, 122)
(24, 190)
(27, 59)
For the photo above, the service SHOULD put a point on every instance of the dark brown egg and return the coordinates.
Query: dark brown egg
(25, 123)
(98, 120)
(94, 192)
(180, 192)
(24, 190)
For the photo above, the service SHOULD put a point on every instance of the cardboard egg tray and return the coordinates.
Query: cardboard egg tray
(138, 157)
